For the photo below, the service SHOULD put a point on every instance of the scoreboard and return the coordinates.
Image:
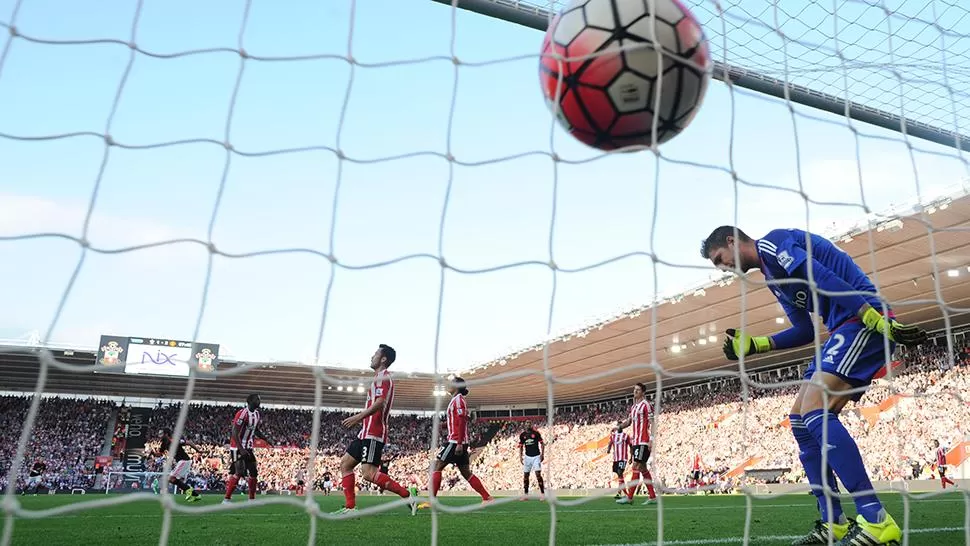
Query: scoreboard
(154, 356)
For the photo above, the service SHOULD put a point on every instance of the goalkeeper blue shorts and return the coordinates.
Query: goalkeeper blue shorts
(854, 353)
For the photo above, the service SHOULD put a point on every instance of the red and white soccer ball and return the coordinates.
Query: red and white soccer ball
(609, 100)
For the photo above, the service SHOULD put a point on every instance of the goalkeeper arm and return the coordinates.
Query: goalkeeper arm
(909, 336)
(802, 329)
(800, 333)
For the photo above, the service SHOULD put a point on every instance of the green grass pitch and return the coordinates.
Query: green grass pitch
(687, 520)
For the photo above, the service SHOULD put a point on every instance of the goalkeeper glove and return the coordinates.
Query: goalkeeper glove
(908, 336)
(738, 343)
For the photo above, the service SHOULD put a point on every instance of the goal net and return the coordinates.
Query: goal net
(306, 180)
(896, 65)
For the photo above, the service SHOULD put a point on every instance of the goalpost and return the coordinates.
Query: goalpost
(919, 87)
(823, 79)
(145, 481)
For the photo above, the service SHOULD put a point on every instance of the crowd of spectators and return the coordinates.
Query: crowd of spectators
(727, 426)
(723, 421)
(66, 437)
(289, 431)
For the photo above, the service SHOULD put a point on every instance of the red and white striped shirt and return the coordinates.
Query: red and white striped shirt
(375, 424)
(247, 421)
(941, 456)
(620, 445)
(458, 420)
(640, 421)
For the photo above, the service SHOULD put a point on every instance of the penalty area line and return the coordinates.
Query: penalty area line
(766, 538)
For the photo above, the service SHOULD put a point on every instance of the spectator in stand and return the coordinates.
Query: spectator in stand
(707, 418)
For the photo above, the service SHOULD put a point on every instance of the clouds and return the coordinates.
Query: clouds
(109, 289)
(25, 215)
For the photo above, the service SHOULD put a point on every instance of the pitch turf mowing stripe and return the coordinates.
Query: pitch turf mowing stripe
(484, 510)
(687, 520)
(756, 539)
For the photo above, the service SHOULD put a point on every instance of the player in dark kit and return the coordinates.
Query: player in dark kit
(695, 471)
(861, 339)
(327, 482)
(34, 478)
(386, 459)
(242, 438)
(182, 466)
(530, 442)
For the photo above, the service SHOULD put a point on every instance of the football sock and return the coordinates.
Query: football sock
(650, 492)
(845, 459)
(525, 484)
(349, 483)
(811, 456)
(384, 481)
(435, 483)
(231, 485)
(634, 479)
(476, 485)
(251, 482)
(542, 484)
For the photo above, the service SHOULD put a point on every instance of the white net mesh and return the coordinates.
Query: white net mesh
(902, 57)
(908, 59)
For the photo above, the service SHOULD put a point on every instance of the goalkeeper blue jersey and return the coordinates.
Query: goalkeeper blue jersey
(784, 255)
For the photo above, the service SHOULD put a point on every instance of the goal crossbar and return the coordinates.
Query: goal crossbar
(538, 18)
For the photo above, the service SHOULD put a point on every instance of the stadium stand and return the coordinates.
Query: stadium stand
(706, 418)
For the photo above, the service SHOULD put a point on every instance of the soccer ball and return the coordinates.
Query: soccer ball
(609, 100)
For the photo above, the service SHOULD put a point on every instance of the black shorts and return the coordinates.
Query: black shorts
(448, 455)
(641, 452)
(243, 465)
(619, 467)
(367, 451)
(695, 475)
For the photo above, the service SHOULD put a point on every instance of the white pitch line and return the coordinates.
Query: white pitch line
(757, 539)
(484, 511)
(247, 511)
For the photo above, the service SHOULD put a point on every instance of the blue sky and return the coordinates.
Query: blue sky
(498, 213)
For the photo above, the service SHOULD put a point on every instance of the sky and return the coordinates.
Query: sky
(394, 199)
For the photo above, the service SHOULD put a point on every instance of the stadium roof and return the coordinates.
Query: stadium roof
(277, 383)
(602, 360)
(603, 353)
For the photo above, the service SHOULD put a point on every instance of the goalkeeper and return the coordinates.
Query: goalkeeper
(854, 352)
